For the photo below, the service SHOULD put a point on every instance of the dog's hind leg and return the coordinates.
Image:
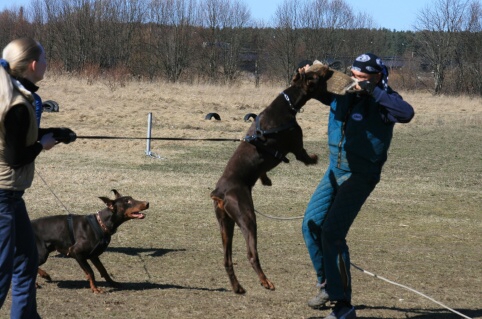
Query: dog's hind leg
(42, 273)
(242, 210)
(226, 226)
(103, 272)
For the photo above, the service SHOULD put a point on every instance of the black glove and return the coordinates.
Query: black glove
(64, 135)
(367, 86)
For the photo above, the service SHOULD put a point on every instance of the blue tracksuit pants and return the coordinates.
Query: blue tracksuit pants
(18, 256)
(332, 209)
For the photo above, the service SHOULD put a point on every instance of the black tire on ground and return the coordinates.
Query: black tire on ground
(249, 116)
(211, 115)
(50, 106)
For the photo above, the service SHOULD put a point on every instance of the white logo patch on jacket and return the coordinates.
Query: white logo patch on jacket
(357, 117)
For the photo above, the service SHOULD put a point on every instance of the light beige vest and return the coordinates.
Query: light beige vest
(20, 178)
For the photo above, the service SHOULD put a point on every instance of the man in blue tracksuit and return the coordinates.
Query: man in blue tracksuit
(360, 129)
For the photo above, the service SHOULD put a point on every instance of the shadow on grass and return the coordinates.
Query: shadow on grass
(128, 286)
(134, 251)
(419, 313)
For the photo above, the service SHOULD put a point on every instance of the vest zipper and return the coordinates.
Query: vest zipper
(343, 129)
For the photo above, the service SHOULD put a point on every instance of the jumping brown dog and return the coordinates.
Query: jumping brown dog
(85, 237)
(270, 138)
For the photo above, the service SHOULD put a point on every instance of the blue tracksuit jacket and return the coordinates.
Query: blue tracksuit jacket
(360, 128)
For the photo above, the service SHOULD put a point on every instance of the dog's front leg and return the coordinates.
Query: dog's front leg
(89, 273)
(303, 156)
(265, 180)
(103, 272)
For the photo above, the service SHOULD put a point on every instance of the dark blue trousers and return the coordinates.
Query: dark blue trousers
(18, 256)
(331, 211)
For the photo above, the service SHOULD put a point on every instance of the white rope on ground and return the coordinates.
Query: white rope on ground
(408, 288)
(279, 218)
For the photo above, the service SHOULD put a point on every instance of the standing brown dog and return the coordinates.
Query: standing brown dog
(84, 237)
(274, 134)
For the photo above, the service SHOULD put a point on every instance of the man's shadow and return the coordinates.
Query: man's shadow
(420, 313)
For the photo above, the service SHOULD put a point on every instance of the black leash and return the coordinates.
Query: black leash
(157, 138)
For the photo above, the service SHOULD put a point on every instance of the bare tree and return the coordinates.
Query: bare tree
(324, 22)
(285, 42)
(223, 21)
(172, 35)
(118, 31)
(14, 24)
(468, 53)
(234, 21)
(439, 27)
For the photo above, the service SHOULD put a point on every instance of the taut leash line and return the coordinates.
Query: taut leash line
(51, 191)
(157, 138)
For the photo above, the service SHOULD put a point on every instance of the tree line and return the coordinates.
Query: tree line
(217, 41)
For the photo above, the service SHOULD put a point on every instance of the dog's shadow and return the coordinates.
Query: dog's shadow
(136, 251)
(130, 286)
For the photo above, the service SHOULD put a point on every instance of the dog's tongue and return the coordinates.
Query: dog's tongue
(139, 215)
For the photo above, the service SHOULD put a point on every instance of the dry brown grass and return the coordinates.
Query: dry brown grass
(421, 226)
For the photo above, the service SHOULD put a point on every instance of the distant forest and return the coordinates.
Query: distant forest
(216, 41)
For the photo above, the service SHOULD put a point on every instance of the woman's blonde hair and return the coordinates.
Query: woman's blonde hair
(19, 54)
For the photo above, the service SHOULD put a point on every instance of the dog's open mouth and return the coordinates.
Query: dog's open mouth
(138, 215)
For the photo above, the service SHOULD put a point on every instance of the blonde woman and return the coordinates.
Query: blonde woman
(23, 64)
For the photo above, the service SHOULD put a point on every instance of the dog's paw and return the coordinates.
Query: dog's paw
(239, 290)
(97, 290)
(314, 159)
(265, 180)
(267, 284)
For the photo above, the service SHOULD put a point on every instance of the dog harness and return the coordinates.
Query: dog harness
(103, 237)
(258, 138)
(101, 233)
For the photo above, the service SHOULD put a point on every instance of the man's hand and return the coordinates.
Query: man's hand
(367, 86)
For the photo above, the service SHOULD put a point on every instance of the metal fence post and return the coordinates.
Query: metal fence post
(148, 143)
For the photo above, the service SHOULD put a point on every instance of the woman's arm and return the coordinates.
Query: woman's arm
(17, 122)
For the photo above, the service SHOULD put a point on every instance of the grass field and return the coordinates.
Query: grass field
(421, 227)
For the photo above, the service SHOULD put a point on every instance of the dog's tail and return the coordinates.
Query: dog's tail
(218, 202)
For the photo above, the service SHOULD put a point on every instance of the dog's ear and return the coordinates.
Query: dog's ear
(297, 77)
(108, 202)
(116, 193)
(312, 82)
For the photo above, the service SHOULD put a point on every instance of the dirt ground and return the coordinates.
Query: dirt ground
(420, 228)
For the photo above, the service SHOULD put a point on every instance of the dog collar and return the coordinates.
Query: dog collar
(102, 225)
(287, 98)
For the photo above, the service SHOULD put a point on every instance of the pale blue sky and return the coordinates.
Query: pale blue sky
(391, 14)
